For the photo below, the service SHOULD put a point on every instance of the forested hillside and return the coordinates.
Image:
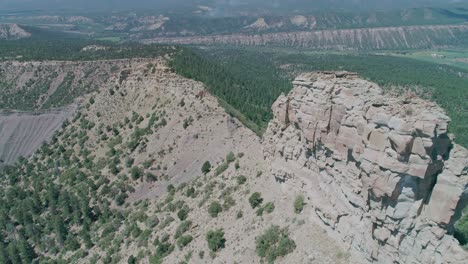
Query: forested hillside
(249, 84)
(242, 78)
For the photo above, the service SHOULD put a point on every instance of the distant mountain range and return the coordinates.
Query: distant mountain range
(222, 7)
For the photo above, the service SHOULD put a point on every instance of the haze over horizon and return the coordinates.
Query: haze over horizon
(106, 5)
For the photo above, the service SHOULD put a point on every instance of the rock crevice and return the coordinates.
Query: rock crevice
(381, 170)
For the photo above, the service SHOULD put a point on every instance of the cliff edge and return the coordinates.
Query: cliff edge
(381, 171)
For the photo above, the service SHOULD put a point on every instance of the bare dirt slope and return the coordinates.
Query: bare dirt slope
(22, 133)
(192, 129)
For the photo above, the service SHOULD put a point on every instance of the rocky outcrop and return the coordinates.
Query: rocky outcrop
(381, 171)
(12, 32)
(358, 39)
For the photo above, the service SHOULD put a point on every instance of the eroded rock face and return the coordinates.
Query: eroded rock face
(381, 171)
(12, 32)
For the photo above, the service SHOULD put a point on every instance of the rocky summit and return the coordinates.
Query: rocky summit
(379, 170)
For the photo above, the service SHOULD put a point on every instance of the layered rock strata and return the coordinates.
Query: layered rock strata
(381, 171)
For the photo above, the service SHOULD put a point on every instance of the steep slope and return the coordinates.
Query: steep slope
(46, 94)
(103, 189)
(407, 37)
(153, 170)
(48, 84)
(380, 170)
(23, 133)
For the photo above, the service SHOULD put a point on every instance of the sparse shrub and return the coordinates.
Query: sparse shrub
(187, 122)
(221, 168)
(241, 179)
(259, 211)
(184, 240)
(147, 164)
(230, 157)
(214, 209)
(240, 214)
(228, 202)
(269, 207)
(165, 237)
(216, 240)
(171, 189)
(255, 199)
(274, 243)
(182, 228)
(150, 177)
(182, 214)
(206, 167)
(168, 220)
(163, 250)
(299, 204)
(190, 192)
(151, 222)
(136, 173)
(120, 199)
(132, 260)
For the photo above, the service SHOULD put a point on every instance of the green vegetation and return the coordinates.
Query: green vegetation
(247, 81)
(241, 179)
(214, 209)
(182, 228)
(461, 229)
(274, 243)
(221, 168)
(64, 95)
(231, 157)
(71, 49)
(184, 240)
(255, 199)
(206, 167)
(183, 213)
(248, 87)
(299, 204)
(269, 207)
(216, 240)
(453, 57)
(59, 204)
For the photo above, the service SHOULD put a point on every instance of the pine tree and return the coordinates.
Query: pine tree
(26, 251)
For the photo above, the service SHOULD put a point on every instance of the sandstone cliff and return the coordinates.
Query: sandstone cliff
(381, 171)
(431, 36)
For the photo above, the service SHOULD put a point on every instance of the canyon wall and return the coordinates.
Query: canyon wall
(381, 171)
(409, 37)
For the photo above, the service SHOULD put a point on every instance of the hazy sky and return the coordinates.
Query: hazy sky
(142, 4)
